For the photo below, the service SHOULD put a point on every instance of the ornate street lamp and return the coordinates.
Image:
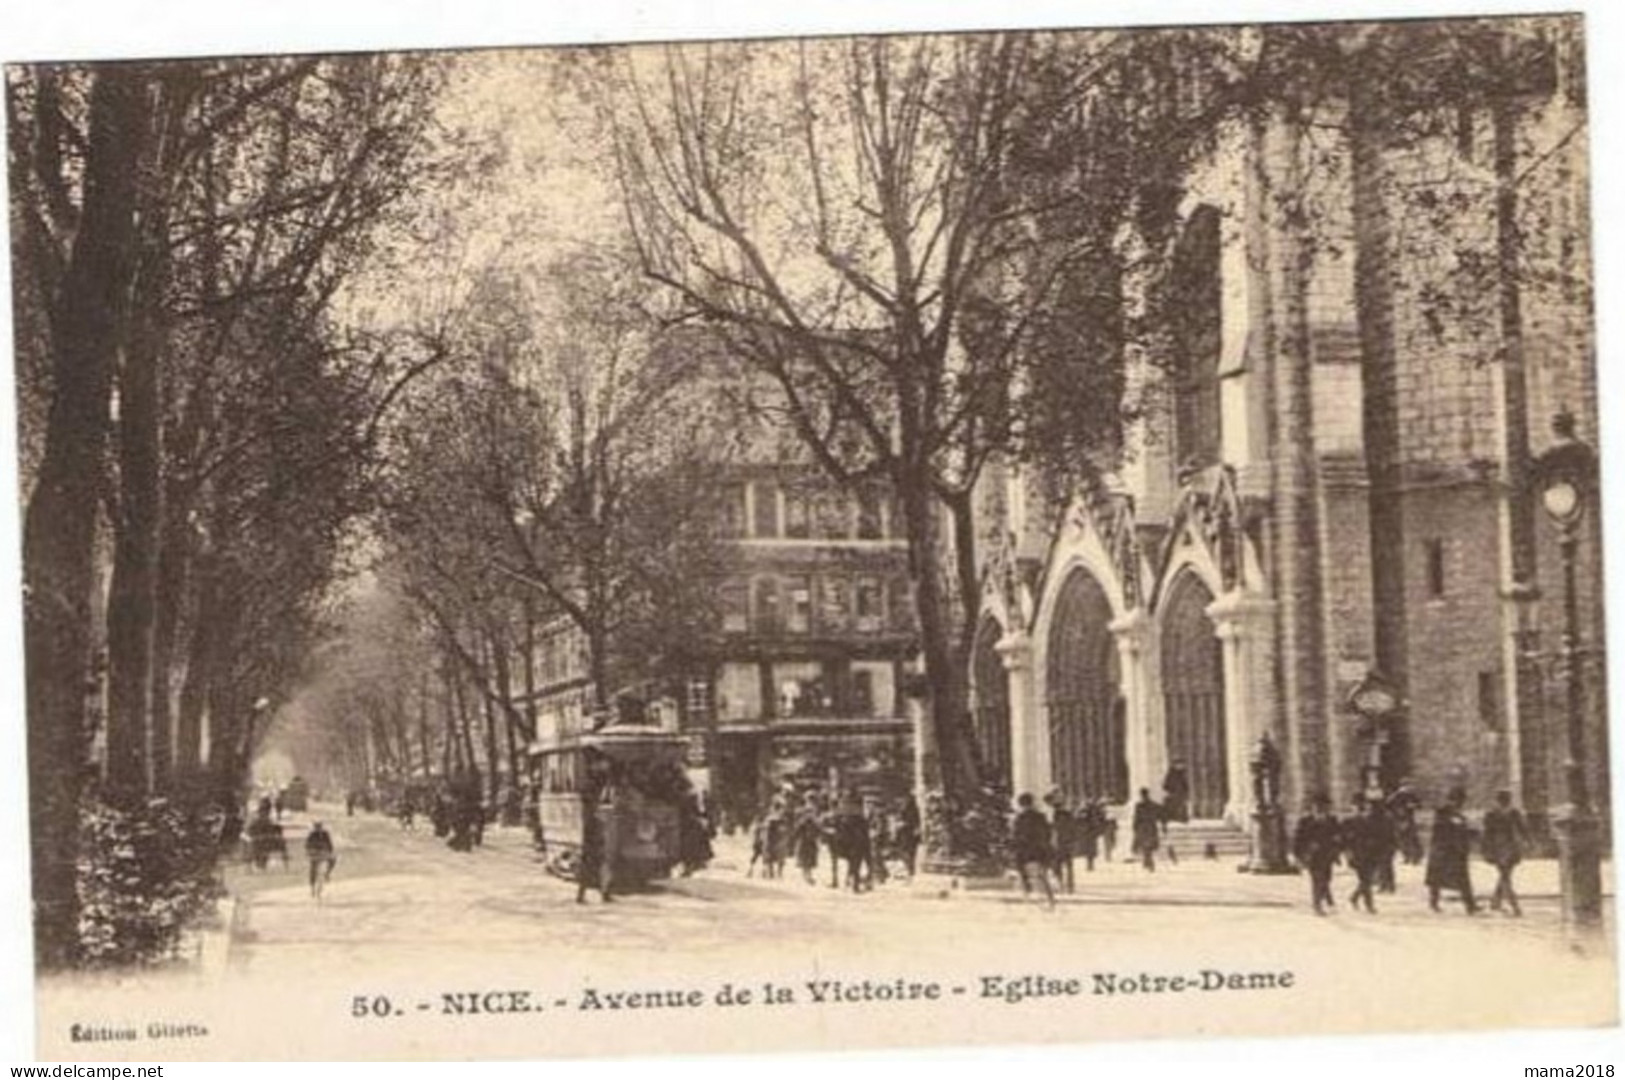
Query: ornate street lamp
(1567, 475)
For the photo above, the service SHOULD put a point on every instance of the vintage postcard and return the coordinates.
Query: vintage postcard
(812, 543)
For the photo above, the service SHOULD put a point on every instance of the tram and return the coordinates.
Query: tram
(631, 777)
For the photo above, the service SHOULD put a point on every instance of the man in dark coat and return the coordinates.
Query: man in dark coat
(1148, 826)
(693, 837)
(1448, 850)
(1505, 837)
(1031, 847)
(595, 870)
(1316, 843)
(851, 844)
(1091, 827)
(1064, 836)
(1368, 841)
(1402, 807)
(908, 834)
(1176, 793)
(805, 837)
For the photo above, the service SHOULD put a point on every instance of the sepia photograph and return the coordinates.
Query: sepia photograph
(812, 542)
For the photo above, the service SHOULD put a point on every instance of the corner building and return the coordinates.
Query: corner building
(1332, 480)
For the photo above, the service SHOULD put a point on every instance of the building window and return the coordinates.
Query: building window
(767, 605)
(1195, 285)
(835, 612)
(871, 605)
(863, 693)
(798, 618)
(801, 689)
(797, 513)
(739, 692)
(833, 512)
(766, 512)
(874, 689)
(1435, 568)
(698, 702)
(1489, 700)
(870, 525)
(735, 603)
(733, 511)
(902, 605)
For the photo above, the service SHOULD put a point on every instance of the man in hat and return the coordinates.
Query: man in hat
(1505, 836)
(1316, 844)
(1063, 834)
(1031, 847)
(1367, 838)
(1148, 826)
(1450, 845)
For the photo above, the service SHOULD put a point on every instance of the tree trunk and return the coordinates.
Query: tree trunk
(1374, 264)
(174, 578)
(1297, 517)
(956, 766)
(423, 726)
(200, 662)
(133, 595)
(59, 531)
(492, 761)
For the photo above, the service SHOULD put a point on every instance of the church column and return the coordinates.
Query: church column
(1029, 739)
(1244, 622)
(1142, 716)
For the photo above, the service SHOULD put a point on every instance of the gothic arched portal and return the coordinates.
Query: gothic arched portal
(992, 715)
(1193, 694)
(1082, 695)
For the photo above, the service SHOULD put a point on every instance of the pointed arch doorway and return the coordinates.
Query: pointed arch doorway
(1192, 672)
(992, 696)
(1083, 695)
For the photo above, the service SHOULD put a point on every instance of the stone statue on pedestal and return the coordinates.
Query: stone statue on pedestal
(1269, 836)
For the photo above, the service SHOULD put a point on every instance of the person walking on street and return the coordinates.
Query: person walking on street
(1032, 848)
(1316, 844)
(1448, 851)
(804, 839)
(319, 851)
(1368, 846)
(1064, 835)
(1506, 834)
(1402, 807)
(594, 870)
(1091, 828)
(908, 835)
(852, 842)
(1148, 826)
(1176, 792)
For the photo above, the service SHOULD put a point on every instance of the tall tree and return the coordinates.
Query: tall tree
(88, 309)
(856, 220)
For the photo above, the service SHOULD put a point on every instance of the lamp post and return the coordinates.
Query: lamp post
(1567, 475)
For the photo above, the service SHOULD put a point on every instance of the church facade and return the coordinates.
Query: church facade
(1328, 488)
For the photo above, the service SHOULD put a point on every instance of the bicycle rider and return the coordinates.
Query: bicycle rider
(319, 850)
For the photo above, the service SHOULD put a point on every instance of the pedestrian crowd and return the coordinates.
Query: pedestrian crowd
(864, 840)
(1044, 848)
(1382, 829)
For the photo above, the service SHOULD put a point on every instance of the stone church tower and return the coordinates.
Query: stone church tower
(1331, 481)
